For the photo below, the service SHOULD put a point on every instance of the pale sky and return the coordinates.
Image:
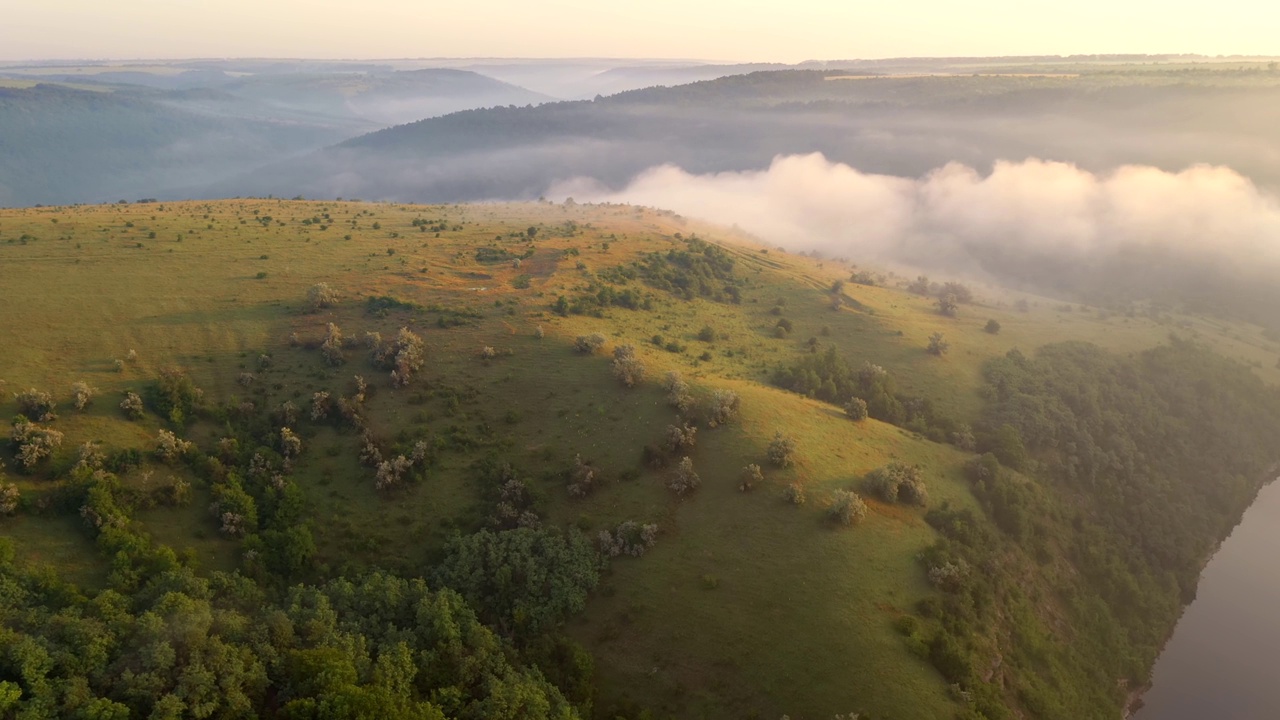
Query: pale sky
(776, 30)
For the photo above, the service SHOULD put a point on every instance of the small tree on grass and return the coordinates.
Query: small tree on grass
(680, 438)
(9, 497)
(626, 366)
(938, 344)
(331, 348)
(290, 444)
(36, 405)
(856, 409)
(678, 392)
(684, 480)
(33, 443)
(794, 494)
(408, 356)
(782, 450)
(132, 405)
(992, 327)
(724, 407)
(847, 508)
(170, 447)
(898, 482)
(584, 478)
(588, 344)
(948, 305)
(750, 478)
(629, 538)
(321, 296)
(81, 395)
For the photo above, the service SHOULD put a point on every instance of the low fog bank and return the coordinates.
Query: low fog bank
(1205, 237)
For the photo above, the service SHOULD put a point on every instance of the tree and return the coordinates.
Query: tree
(588, 344)
(847, 508)
(132, 405)
(750, 478)
(521, 581)
(938, 344)
(626, 366)
(82, 394)
(36, 405)
(33, 443)
(680, 438)
(948, 305)
(170, 447)
(331, 348)
(321, 296)
(794, 493)
(856, 409)
(898, 482)
(992, 327)
(707, 334)
(684, 480)
(724, 407)
(782, 450)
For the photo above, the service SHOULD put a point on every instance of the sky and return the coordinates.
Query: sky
(725, 30)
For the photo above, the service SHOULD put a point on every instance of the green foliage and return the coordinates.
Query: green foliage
(523, 582)
(701, 270)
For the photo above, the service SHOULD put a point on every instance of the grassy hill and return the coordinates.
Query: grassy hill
(747, 604)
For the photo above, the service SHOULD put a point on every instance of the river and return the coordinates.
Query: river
(1223, 661)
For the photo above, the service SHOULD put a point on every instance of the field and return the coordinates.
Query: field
(747, 606)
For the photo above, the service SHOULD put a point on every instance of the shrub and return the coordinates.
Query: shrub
(331, 348)
(948, 305)
(847, 508)
(724, 407)
(794, 494)
(677, 392)
(992, 326)
(707, 334)
(588, 344)
(321, 296)
(320, 405)
(626, 366)
(584, 478)
(750, 478)
(37, 405)
(684, 480)
(629, 538)
(405, 356)
(856, 409)
(9, 498)
(898, 482)
(290, 443)
(488, 353)
(680, 438)
(82, 394)
(132, 405)
(938, 344)
(33, 443)
(782, 450)
(170, 447)
(539, 333)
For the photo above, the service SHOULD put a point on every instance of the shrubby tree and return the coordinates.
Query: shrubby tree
(847, 508)
(794, 494)
(626, 366)
(321, 296)
(751, 477)
(856, 409)
(9, 497)
(320, 405)
(782, 450)
(290, 444)
(724, 407)
(175, 396)
(331, 348)
(938, 344)
(33, 443)
(899, 482)
(948, 305)
(405, 357)
(82, 394)
(36, 405)
(170, 447)
(963, 438)
(680, 438)
(684, 480)
(677, 392)
(584, 478)
(629, 538)
(588, 344)
(992, 327)
(959, 292)
(132, 405)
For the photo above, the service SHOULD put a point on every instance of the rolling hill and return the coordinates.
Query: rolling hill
(551, 412)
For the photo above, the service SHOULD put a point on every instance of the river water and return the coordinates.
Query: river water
(1223, 661)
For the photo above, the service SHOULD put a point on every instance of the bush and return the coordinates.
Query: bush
(992, 326)
(584, 478)
(626, 366)
(898, 482)
(680, 438)
(684, 480)
(36, 405)
(82, 394)
(331, 348)
(938, 344)
(707, 334)
(724, 407)
(629, 538)
(794, 494)
(132, 405)
(782, 450)
(588, 344)
(847, 508)
(856, 409)
(33, 443)
(948, 305)
(9, 498)
(170, 447)
(321, 296)
(750, 478)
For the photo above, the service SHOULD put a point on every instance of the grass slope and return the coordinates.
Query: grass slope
(747, 605)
